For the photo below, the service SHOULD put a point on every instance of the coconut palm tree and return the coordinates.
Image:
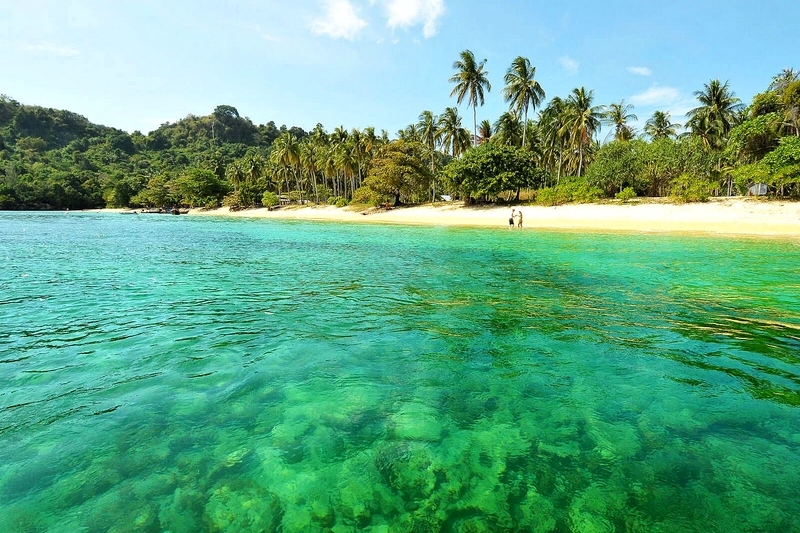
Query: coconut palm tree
(508, 130)
(522, 91)
(347, 162)
(308, 161)
(430, 136)
(484, 131)
(582, 121)
(286, 156)
(338, 139)
(471, 81)
(782, 80)
(618, 116)
(535, 141)
(255, 165)
(659, 126)
(328, 166)
(453, 135)
(555, 136)
(707, 129)
(356, 143)
(371, 141)
(235, 172)
(409, 134)
(718, 113)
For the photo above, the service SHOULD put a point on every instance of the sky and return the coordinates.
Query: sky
(135, 64)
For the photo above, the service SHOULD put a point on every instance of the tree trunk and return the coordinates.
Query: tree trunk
(474, 125)
(525, 128)
(433, 178)
(560, 159)
(316, 190)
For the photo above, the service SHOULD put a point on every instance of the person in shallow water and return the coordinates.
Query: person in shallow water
(519, 216)
(511, 220)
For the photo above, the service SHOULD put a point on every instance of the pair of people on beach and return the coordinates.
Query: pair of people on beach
(513, 216)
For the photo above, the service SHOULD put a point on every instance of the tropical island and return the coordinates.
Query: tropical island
(540, 152)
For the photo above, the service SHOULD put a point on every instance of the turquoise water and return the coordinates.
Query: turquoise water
(180, 374)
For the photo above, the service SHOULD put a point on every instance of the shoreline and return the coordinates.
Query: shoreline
(728, 216)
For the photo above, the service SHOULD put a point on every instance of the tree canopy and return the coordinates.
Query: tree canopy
(56, 159)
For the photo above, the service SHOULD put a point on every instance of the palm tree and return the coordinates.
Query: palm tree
(430, 135)
(718, 113)
(618, 116)
(554, 135)
(453, 135)
(286, 156)
(255, 165)
(659, 126)
(371, 141)
(783, 79)
(338, 139)
(349, 160)
(471, 81)
(484, 131)
(357, 148)
(235, 173)
(508, 130)
(708, 130)
(409, 134)
(328, 166)
(582, 121)
(308, 161)
(522, 91)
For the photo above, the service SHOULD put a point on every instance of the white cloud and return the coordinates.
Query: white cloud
(60, 51)
(640, 71)
(657, 96)
(340, 21)
(407, 13)
(569, 64)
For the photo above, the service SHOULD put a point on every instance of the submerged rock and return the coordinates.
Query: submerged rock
(242, 506)
(415, 422)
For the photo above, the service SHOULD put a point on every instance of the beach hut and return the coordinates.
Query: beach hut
(758, 189)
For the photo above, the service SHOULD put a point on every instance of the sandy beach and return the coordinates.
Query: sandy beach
(734, 216)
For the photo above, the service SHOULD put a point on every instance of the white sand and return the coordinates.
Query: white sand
(737, 216)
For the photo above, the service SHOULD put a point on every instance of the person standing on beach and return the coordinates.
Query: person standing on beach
(511, 220)
(519, 216)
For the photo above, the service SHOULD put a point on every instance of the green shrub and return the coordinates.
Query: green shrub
(341, 202)
(551, 196)
(626, 194)
(270, 199)
(571, 190)
(367, 196)
(691, 188)
(231, 200)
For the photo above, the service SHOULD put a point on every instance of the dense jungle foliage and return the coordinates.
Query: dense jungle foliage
(54, 159)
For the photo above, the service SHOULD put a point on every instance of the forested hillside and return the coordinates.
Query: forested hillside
(57, 159)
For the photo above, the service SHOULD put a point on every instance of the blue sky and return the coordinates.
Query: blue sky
(134, 64)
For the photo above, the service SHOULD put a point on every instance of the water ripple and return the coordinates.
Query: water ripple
(323, 377)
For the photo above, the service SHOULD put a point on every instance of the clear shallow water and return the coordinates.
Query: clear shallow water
(190, 374)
